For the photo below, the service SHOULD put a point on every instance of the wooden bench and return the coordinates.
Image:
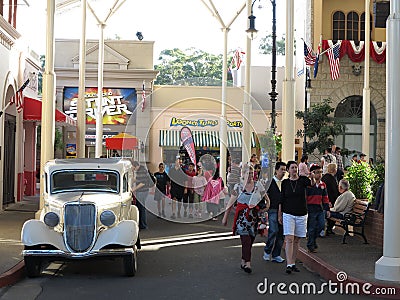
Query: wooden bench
(354, 219)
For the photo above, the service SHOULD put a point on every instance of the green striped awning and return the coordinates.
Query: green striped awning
(171, 138)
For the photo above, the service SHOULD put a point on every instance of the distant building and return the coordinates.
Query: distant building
(345, 21)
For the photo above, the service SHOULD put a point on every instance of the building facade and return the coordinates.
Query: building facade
(334, 21)
(19, 69)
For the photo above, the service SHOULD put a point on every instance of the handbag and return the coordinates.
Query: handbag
(262, 226)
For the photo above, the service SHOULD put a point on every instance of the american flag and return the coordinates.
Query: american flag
(317, 59)
(334, 64)
(143, 98)
(18, 98)
(236, 60)
(309, 56)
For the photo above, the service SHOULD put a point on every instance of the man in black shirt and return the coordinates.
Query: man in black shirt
(178, 179)
(274, 243)
(143, 181)
(161, 189)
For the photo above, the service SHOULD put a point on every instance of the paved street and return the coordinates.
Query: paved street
(197, 261)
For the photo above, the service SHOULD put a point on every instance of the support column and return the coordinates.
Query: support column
(366, 116)
(388, 266)
(81, 106)
(288, 100)
(48, 100)
(99, 102)
(223, 138)
(30, 158)
(246, 145)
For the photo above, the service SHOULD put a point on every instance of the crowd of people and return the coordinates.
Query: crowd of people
(298, 201)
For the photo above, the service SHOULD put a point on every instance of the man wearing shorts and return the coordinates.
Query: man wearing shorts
(178, 179)
(161, 189)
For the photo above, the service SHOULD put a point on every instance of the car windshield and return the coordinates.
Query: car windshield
(84, 180)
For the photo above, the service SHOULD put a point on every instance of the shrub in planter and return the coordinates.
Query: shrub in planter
(379, 179)
(361, 178)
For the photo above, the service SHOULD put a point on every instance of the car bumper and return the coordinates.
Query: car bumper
(36, 233)
(68, 255)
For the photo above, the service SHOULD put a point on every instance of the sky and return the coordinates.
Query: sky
(171, 24)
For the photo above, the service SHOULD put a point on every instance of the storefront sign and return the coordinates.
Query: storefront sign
(90, 138)
(203, 123)
(117, 107)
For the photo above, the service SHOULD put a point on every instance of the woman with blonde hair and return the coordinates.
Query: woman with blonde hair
(249, 195)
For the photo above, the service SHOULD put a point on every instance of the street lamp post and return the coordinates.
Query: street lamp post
(307, 95)
(273, 94)
(252, 33)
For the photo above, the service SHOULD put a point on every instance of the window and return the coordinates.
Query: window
(339, 26)
(352, 26)
(362, 29)
(349, 112)
(125, 183)
(381, 12)
(349, 27)
(84, 180)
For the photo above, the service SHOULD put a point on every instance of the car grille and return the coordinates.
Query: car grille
(79, 222)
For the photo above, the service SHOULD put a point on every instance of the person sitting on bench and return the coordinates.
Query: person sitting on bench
(343, 204)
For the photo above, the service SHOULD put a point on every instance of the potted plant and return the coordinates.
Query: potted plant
(361, 178)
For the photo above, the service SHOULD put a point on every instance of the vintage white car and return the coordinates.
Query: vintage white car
(87, 212)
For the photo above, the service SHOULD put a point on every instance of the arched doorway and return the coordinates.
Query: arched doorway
(349, 112)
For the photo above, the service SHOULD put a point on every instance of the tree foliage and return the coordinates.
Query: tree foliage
(321, 129)
(361, 178)
(265, 46)
(188, 67)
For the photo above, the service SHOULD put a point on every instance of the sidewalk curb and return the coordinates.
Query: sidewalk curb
(13, 275)
(329, 272)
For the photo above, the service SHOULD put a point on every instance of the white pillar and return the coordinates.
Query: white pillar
(388, 266)
(81, 106)
(99, 102)
(366, 116)
(246, 143)
(223, 138)
(288, 99)
(47, 133)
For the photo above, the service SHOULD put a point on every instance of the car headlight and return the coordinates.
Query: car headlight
(51, 219)
(107, 218)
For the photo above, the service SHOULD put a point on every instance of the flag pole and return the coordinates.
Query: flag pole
(323, 52)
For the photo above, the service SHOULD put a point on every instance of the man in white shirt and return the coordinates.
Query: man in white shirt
(327, 159)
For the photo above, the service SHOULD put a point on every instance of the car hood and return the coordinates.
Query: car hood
(99, 199)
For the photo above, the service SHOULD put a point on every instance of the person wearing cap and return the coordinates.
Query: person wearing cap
(363, 157)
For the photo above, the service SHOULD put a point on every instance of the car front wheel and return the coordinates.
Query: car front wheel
(33, 266)
(130, 263)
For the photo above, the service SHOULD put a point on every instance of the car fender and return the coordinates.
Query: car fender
(134, 213)
(124, 233)
(35, 232)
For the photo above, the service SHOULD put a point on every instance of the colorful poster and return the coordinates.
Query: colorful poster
(70, 150)
(118, 105)
(187, 141)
